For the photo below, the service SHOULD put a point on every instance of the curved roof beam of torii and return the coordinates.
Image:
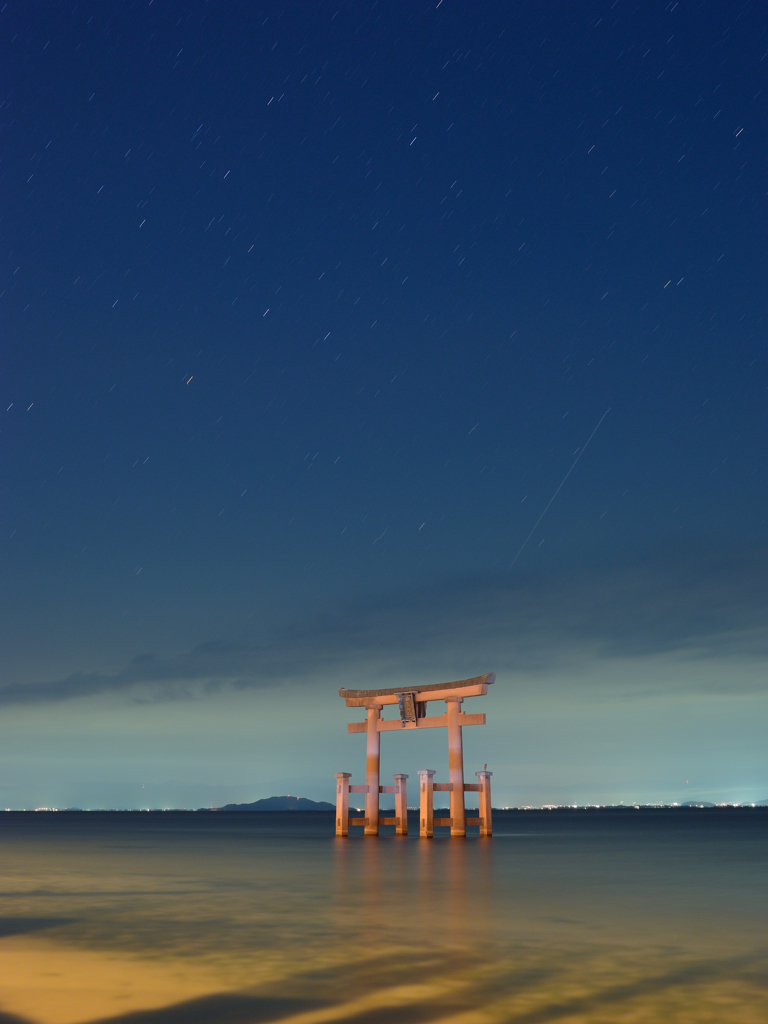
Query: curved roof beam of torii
(475, 687)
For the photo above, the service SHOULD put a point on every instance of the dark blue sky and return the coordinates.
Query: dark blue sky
(307, 309)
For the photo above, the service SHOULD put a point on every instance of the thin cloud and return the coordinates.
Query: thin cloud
(687, 603)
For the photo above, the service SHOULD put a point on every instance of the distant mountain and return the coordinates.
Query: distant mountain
(281, 803)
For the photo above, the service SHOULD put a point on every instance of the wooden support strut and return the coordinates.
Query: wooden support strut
(426, 802)
(484, 801)
(342, 803)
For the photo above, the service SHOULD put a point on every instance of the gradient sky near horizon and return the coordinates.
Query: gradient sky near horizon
(307, 311)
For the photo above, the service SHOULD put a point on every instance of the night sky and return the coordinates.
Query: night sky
(307, 311)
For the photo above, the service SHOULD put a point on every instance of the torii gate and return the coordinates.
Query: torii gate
(413, 705)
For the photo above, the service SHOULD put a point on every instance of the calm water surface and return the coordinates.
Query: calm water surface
(168, 918)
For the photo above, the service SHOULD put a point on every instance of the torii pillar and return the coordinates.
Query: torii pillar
(372, 759)
(456, 767)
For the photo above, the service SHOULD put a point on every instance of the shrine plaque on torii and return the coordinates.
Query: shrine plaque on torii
(412, 705)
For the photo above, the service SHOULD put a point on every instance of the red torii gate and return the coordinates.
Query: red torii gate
(412, 705)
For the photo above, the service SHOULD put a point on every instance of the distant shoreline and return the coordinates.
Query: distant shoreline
(527, 809)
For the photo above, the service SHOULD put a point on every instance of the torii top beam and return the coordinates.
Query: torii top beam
(476, 687)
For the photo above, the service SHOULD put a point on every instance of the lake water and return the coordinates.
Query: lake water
(183, 918)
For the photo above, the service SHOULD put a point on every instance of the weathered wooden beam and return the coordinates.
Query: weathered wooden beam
(358, 789)
(435, 722)
(469, 787)
(473, 690)
(443, 822)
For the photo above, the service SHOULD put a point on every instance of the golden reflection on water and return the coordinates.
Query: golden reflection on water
(169, 919)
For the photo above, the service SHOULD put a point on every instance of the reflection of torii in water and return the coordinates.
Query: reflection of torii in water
(413, 705)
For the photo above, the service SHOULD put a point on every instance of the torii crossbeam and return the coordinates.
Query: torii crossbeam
(412, 705)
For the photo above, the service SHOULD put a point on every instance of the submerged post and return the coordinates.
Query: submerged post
(372, 772)
(401, 805)
(342, 803)
(484, 803)
(456, 767)
(426, 802)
